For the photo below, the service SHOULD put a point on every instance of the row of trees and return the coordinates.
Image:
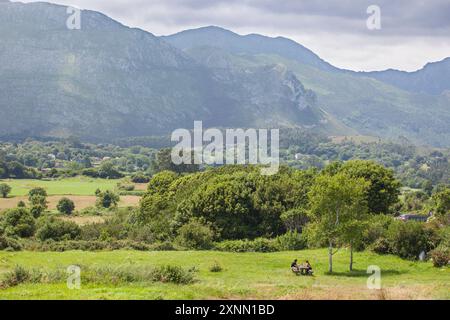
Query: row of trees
(236, 202)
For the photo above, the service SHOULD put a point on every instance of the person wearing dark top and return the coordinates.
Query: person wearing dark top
(294, 264)
(308, 267)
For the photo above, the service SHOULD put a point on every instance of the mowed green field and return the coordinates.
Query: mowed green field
(82, 186)
(244, 276)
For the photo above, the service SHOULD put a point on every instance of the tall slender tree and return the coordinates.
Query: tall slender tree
(338, 207)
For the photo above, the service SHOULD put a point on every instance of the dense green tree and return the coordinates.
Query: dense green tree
(16, 170)
(65, 205)
(338, 205)
(38, 201)
(56, 229)
(140, 178)
(237, 201)
(294, 220)
(107, 199)
(5, 189)
(37, 192)
(107, 170)
(195, 235)
(19, 222)
(408, 239)
(164, 162)
(21, 204)
(441, 201)
(384, 189)
(160, 182)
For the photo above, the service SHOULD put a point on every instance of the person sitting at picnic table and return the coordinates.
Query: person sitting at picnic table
(308, 267)
(294, 266)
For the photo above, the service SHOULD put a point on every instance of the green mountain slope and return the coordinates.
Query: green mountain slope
(365, 104)
(431, 79)
(107, 81)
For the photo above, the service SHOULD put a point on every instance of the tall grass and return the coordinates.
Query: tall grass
(101, 275)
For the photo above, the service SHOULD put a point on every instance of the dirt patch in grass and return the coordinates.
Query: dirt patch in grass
(362, 293)
(140, 186)
(81, 202)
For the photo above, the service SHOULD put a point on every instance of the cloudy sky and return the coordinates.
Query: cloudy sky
(413, 32)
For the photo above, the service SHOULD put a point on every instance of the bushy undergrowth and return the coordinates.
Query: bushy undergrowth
(215, 267)
(21, 275)
(257, 245)
(440, 256)
(287, 242)
(9, 244)
(56, 229)
(68, 245)
(101, 275)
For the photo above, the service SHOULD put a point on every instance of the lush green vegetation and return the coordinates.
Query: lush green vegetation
(346, 206)
(235, 208)
(242, 276)
(415, 167)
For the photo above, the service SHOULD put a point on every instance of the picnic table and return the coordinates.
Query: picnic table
(303, 270)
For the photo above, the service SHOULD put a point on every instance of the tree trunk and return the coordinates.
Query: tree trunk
(330, 258)
(351, 258)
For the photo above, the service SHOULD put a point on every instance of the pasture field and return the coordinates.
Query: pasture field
(244, 276)
(80, 186)
(81, 190)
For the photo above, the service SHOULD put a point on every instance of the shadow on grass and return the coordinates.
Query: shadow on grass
(363, 273)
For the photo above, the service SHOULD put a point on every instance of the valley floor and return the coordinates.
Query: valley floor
(244, 276)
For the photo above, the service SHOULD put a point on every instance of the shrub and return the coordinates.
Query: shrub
(142, 234)
(377, 227)
(37, 210)
(13, 278)
(107, 199)
(162, 246)
(91, 211)
(380, 246)
(38, 202)
(290, 241)
(56, 229)
(37, 192)
(215, 267)
(19, 222)
(140, 178)
(66, 206)
(5, 189)
(440, 256)
(91, 231)
(95, 245)
(257, 245)
(195, 235)
(407, 239)
(172, 274)
(123, 186)
(263, 245)
(22, 275)
(10, 244)
(21, 204)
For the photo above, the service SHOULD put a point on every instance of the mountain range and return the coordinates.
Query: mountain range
(109, 81)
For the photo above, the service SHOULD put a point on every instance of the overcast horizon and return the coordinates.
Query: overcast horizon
(413, 33)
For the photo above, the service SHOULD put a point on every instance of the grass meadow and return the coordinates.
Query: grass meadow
(243, 276)
(81, 190)
(79, 186)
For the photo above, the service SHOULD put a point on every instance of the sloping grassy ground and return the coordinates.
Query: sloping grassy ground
(244, 276)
